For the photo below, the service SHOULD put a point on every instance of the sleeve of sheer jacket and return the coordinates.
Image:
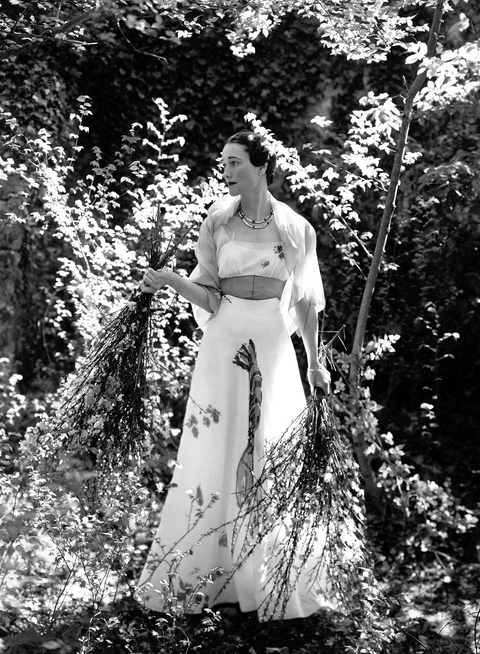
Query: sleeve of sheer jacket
(307, 294)
(206, 272)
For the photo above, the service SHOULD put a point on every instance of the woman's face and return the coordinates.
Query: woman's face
(240, 175)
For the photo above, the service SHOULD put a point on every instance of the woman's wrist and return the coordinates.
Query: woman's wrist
(170, 278)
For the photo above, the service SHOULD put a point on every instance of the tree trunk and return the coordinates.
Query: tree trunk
(355, 355)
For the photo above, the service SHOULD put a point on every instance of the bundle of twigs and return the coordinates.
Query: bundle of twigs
(102, 419)
(306, 504)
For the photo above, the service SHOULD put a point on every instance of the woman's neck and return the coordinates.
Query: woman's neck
(257, 206)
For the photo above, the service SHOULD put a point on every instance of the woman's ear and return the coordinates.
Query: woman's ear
(262, 170)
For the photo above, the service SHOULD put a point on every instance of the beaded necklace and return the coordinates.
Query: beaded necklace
(255, 224)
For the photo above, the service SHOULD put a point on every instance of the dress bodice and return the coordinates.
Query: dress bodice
(303, 283)
(237, 258)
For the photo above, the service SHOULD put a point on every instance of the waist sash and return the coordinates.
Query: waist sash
(252, 287)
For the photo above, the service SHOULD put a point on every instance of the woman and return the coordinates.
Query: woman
(257, 281)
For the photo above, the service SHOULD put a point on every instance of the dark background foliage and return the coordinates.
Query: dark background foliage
(427, 390)
(289, 79)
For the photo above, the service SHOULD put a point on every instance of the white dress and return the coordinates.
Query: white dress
(196, 556)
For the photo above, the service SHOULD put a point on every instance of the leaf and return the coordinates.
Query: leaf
(460, 26)
(52, 644)
(199, 496)
(27, 637)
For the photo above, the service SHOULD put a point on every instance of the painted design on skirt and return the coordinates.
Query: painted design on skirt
(210, 414)
(246, 358)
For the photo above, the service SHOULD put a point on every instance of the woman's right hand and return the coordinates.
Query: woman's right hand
(154, 280)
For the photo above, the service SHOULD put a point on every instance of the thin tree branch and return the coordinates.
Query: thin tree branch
(135, 49)
(385, 224)
(48, 35)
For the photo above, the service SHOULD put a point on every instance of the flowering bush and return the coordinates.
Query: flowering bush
(65, 551)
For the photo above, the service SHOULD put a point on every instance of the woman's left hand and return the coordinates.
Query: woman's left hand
(319, 376)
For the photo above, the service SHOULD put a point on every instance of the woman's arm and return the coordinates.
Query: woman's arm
(317, 374)
(154, 280)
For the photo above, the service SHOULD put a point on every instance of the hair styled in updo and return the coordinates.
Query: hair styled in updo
(259, 151)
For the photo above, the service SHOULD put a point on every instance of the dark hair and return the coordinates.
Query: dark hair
(259, 151)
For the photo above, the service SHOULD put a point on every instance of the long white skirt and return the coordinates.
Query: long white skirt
(195, 557)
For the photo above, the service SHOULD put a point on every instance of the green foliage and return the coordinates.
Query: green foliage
(102, 261)
(63, 555)
(437, 232)
(87, 545)
(85, 215)
(47, 535)
(422, 531)
(361, 29)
